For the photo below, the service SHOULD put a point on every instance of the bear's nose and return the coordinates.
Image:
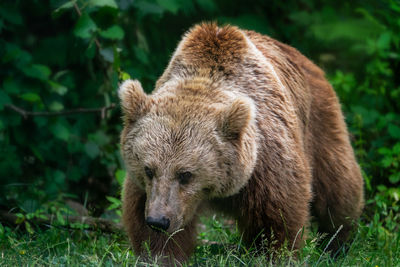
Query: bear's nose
(157, 224)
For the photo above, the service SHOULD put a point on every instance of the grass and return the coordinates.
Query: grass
(373, 245)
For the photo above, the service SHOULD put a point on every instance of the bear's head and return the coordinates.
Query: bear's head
(183, 149)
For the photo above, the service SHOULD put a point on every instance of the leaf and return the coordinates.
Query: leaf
(92, 149)
(60, 218)
(31, 97)
(345, 29)
(381, 188)
(169, 5)
(85, 26)
(120, 176)
(58, 88)
(108, 54)
(78, 225)
(113, 200)
(207, 5)
(20, 218)
(100, 138)
(42, 216)
(394, 131)
(66, 5)
(114, 33)
(29, 206)
(59, 177)
(148, 8)
(60, 131)
(11, 86)
(396, 149)
(56, 106)
(10, 14)
(387, 161)
(113, 206)
(394, 178)
(36, 152)
(101, 3)
(384, 41)
(385, 151)
(4, 99)
(13, 52)
(29, 227)
(37, 71)
(116, 203)
(123, 76)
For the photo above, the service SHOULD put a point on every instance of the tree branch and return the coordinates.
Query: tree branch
(24, 113)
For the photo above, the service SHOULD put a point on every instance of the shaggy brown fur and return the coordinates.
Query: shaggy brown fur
(261, 132)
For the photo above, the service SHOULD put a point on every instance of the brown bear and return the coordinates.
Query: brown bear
(245, 125)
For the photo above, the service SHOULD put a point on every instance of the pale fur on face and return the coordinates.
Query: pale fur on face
(180, 133)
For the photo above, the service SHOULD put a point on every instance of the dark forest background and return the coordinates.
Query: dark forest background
(61, 62)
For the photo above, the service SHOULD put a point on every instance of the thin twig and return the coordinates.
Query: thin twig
(78, 10)
(24, 113)
(96, 41)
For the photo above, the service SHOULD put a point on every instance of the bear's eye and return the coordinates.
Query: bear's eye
(149, 172)
(184, 177)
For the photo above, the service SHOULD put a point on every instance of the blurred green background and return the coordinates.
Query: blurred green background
(59, 55)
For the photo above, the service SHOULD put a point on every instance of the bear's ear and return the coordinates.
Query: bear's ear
(134, 101)
(236, 117)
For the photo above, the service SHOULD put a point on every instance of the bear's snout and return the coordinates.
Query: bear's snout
(158, 224)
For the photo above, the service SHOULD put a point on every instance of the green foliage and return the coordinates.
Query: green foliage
(116, 203)
(371, 98)
(61, 55)
(56, 69)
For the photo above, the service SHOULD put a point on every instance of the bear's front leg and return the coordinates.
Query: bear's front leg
(274, 210)
(170, 249)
